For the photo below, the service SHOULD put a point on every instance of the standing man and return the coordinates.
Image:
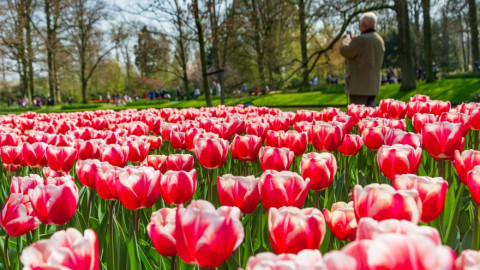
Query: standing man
(364, 55)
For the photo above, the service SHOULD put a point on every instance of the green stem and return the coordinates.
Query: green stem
(172, 264)
(89, 206)
(136, 216)
(375, 167)
(347, 174)
(316, 198)
(245, 169)
(452, 223)
(110, 237)
(475, 226)
(5, 252)
(476, 139)
(441, 168)
(210, 185)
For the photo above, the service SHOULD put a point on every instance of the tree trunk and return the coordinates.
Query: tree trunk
(303, 43)
(405, 46)
(28, 30)
(84, 91)
(21, 51)
(427, 40)
(462, 43)
(49, 46)
(203, 59)
(472, 16)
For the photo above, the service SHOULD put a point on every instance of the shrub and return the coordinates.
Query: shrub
(80, 106)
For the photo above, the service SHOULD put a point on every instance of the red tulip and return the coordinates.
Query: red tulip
(224, 130)
(419, 97)
(441, 139)
(420, 119)
(67, 249)
(397, 251)
(465, 162)
(473, 183)
(17, 217)
(161, 230)
(138, 129)
(87, 172)
(246, 148)
(62, 158)
(190, 136)
(370, 123)
(158, 162)
(351, 145)
(394, 109)
(398, 136)
(437, 107)
(35, 154)
(239, 191)
(105, 181)
(341, 220)
(369, 228)
(374, 137)
(177, 187)
(10, 139)
(55, 201)
(475, 119)
(155, 142)
(320, 168)
(278, 123)
(296, 141)
(468, 260)
(48, 172)
(138, 188)
(64, 140)
(87, 149)
(414, 107)
(382, 202)
(11, 155)
(177, 139)
(455, 117)
(398, 159)
(432, 192)
(291, 229)
(327, 136)
(115, 154)
(23, 184)
(211, 153)
(275, 138)
(273, 158)
(206, 236)
(179, 162)
(283, 188)
(258, 129)
(137, 150)
(346, 120)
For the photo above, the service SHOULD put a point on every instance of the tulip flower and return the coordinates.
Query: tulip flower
(273, 158)
(105, 181)
(138, 188)
(158, 162)
(211, 153)
(398, 136)
(224, 130)
(341, 220)
(468, 260)
(382, 202)
(278, 123)
(437, 107)
(179, 162)
(17, 217)
(206, 236)
(258, 129)
(61, 159)
(374, 137)
(296, 142)
(177, 139)
(161, 230)
(420, 119)
(283, 188)
(23, 184)
(351, 145)
(87, 172)
(369, 228)
(115, 154)
(414, 107)
(275, 138)
(177, 187)
(346, 120)
(465, 162)
(441, 139)
(432, 192)
(246, 148)
(155, 142)
(35, 154)
(137, 150)
(475, 119)
(291, 229)
(87, 149)
(55, 201)
(239, 191)
(48, 172)
(11, 155)
(398, 251)
(190, 136)
(10, 139)
(67, 249)
(398, 159)
(320, 168)
(327, 136)
(138, 129)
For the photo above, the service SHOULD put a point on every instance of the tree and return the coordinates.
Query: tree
(427, 41)
(472, 17)
(151, 53)
(405, 47)
(84, 17)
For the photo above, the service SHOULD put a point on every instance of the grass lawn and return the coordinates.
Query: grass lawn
(455, 90)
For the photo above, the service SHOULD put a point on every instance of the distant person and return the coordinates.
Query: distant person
(196, 93)
(364, 56)
(70, 100)
(315, 81)
(435, 71)
(179, 93)
(108, 97)
(244, 87)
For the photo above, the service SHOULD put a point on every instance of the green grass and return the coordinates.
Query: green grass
(456, 90)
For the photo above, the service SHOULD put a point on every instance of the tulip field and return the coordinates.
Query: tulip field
(254, 188)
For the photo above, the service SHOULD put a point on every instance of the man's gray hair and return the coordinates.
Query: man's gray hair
(370, 19)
